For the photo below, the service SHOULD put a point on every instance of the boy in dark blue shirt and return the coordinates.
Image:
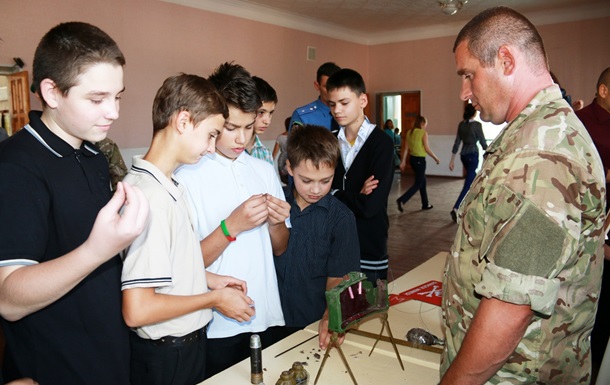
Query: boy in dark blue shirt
(323, 244)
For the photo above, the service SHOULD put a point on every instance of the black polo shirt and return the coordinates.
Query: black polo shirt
(50, 195)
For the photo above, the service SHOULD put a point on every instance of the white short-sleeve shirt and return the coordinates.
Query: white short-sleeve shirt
(217, 186)
(167, 255)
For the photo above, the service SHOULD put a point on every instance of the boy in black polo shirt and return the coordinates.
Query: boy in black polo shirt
(60, 272)
(323, 243)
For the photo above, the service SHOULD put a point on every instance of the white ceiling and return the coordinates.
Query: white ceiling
(384, 21)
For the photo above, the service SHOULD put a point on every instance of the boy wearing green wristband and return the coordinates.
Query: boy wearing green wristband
(240, 215)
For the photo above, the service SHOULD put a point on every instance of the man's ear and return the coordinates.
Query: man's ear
(316, 85)
(289, 168)
(602, 91)
(507, 60)
(182, 121)
(364, 100)
(50, 93)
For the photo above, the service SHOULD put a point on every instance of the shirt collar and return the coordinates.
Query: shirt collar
(601, 115)
(224, 161)
(322, 203)
(257, 142)
(52, 142)
(363, 132)
(551, 94)
(321, 106)
(142, 166)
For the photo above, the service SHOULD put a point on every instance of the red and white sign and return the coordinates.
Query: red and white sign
(429, 292)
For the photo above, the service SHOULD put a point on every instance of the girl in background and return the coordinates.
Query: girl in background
(417, 147)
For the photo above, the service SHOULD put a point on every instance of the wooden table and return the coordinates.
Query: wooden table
(421, 366)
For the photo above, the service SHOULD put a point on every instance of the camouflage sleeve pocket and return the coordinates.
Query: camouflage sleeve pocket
(506, 285)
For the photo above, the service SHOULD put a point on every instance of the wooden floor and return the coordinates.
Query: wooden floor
(416, 235)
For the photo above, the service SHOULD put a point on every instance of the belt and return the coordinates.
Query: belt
(177, 341)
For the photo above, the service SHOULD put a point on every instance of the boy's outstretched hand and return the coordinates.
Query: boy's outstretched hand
(114, 231)
(324, 335)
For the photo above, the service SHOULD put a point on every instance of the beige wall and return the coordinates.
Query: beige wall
(161, 39)
(578, 52)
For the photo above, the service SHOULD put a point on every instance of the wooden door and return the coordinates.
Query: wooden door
(20, 100)
(410, 109)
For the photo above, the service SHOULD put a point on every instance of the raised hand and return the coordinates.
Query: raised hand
(114, 229)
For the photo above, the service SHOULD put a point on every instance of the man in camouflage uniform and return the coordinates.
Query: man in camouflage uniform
(116, 165)
(523, 276)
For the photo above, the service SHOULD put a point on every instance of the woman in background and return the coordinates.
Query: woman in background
(470, 132)
(417, 147)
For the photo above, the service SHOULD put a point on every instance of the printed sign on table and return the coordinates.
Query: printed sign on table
(429, 292)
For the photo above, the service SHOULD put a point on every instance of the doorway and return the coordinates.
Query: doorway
(14, 101)
(402, 107)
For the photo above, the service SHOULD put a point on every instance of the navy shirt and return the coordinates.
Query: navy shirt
(50, 196)
(323, 243)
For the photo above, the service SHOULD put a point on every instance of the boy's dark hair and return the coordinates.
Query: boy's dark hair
(236, 85)
(265, 91)
(314, 143)
(326, 69)
(346, 78)
(67, 50)
(190, 93)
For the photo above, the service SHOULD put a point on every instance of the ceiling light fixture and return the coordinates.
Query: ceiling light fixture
(450, 7)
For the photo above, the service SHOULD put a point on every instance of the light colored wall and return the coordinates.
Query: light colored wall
(161, 39)
(578, 52)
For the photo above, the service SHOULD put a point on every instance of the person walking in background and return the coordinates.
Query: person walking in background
(388, 128)
(417, 146)
(470, 132)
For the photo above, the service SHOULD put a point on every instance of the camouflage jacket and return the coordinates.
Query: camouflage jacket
(530, 233)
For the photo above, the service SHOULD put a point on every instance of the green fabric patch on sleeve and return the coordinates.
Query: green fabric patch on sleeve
(532, 243)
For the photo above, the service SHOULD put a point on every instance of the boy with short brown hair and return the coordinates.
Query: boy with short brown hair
(166, 299)
(323, 245)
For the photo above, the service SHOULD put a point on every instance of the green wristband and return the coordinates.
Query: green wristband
(223, 227)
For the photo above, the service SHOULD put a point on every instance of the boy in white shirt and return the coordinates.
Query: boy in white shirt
(241, 213)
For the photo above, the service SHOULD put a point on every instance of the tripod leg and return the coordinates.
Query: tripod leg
(333, 340)
(394, 344)
(349, 370)
(383, 322)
